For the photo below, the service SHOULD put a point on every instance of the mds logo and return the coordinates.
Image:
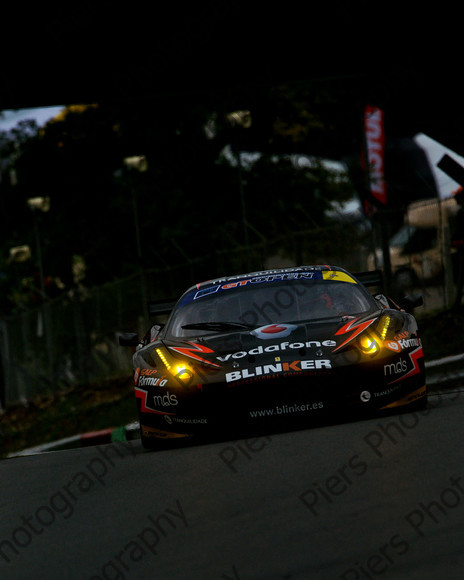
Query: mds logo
(397, 368)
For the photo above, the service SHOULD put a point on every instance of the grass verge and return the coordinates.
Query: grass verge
(110, 403)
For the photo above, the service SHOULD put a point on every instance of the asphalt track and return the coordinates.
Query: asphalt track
(361, 500)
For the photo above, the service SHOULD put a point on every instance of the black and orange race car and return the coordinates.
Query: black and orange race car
(275, 349)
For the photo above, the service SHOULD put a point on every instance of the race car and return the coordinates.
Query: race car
(275, 349)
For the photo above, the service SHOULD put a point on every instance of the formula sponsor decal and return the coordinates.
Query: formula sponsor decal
(409, 342)
(146, 378)
(144, 381)
(399, 345)
(277, 348)
(140, 378)
(271, 331)
(293, 367)
(402, 343)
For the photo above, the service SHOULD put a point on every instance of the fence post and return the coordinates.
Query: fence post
(3, 359)
(447, 267)
(82, 352)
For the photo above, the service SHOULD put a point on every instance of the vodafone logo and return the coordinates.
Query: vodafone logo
(273, 331)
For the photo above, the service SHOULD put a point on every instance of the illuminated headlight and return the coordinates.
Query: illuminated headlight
(383, 326)
(183, 372)
(160, 353)
(368, 345)
(179, 370)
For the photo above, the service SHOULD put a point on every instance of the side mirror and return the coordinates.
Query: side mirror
(383, 300)
(411, 301)
(129, 339)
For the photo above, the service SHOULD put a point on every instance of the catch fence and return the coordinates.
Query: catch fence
(73, 339)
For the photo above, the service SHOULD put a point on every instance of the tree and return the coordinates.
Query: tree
(188, 202)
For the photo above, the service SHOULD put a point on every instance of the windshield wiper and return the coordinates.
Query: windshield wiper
(215, 326)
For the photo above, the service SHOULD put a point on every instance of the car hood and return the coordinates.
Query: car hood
(280, 339)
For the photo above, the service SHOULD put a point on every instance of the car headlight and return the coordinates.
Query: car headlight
(368, 344)
(178, 369)
(383, 326)
(183, 371)
(160, 353)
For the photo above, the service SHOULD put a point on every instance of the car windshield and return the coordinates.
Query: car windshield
(255, 305)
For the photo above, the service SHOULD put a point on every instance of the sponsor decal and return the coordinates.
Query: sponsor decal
(144, 406)
(401, 335)
(280, 273)
(271, 331)
(166, 400)
(365, 396)
(256, 279)
(148, 372)
(149, 432)
(335, 275)
(186, 420)
(355, 327)
(396, 368)
(276, 347)
(414, 357)
(263, 370)
(408, 399)
(386, 392)
(409, 342)
(392, 345)
(287, 409)
(194, 352)
(402, 366)
(400, 344)
(151, 381)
